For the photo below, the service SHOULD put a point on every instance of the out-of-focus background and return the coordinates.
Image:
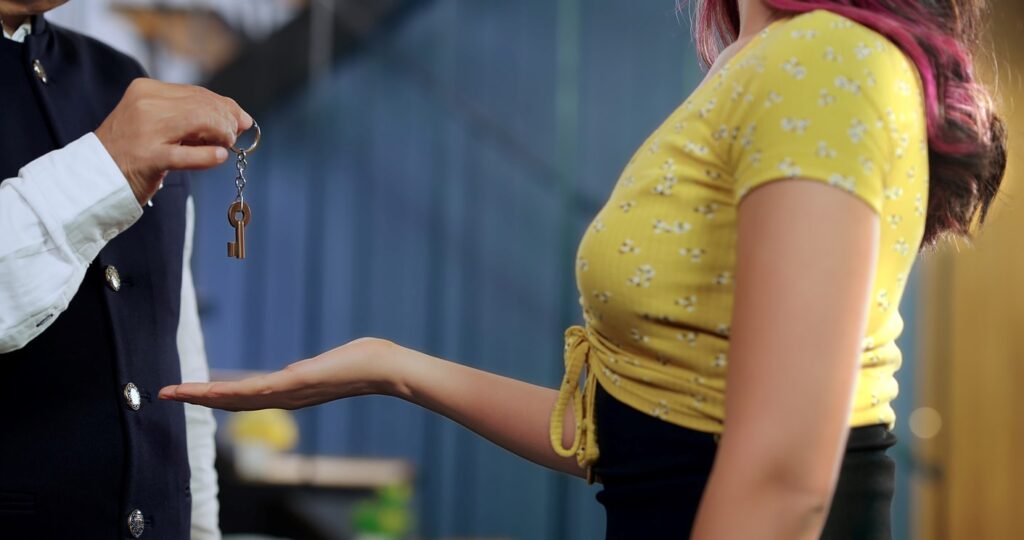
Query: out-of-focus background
(426, 170)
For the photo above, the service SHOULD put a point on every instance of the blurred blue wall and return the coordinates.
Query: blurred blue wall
(431, 191)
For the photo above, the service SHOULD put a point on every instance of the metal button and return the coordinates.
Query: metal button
(136, 525)
(37, 67)
(113, 278)
(132, 396)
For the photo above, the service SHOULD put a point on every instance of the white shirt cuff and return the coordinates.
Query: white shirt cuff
(80, 195)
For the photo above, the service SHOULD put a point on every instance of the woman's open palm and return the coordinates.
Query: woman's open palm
(354, 369)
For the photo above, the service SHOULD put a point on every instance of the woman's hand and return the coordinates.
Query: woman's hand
(361, 367)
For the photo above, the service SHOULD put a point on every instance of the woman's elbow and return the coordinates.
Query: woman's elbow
(810, 493)
(798, 488)
(797, 483)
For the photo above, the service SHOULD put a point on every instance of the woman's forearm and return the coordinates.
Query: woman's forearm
(510, 413)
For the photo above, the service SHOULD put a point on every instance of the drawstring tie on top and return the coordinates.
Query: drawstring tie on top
(584, 440)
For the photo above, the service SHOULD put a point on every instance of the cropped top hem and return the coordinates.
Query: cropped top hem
(589, 356)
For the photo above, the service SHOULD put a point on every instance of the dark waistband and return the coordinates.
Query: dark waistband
(617, 417)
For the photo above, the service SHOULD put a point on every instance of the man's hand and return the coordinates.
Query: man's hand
(158, 127)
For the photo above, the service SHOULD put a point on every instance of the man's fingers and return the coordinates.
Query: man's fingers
(195, 93)
(227, 105)
(157, 88)
(204, 118)
(194, 157)
(224, 107)
(152, 86)
(207, 121)
(242, 118)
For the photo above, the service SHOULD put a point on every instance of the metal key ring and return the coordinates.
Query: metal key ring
(255, 142)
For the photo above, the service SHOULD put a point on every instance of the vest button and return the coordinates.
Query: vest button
(113, 278)
(135, 523)
(132, 396)
(37, 67)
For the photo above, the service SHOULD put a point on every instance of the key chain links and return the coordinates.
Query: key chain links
(239, 213)
(240, 166)
(242, 162)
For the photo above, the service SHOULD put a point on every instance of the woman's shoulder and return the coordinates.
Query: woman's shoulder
(826, 53)
(825, 38)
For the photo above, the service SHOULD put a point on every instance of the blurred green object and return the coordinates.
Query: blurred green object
(388, 516)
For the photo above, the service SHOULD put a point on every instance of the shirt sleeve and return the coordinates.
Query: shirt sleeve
(200, 426)
(57, 215)
(819, 109)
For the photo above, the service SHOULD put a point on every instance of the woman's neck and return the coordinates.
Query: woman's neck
(754, 17)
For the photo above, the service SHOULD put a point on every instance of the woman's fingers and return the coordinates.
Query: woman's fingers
(260, 392)
(212, 394)
(347, 371)
(184, 390)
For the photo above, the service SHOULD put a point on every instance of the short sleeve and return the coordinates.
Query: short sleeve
(820, 107)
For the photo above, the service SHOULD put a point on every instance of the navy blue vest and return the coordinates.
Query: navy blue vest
(75, 459)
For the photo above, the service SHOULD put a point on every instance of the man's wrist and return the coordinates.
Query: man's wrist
(137, 186)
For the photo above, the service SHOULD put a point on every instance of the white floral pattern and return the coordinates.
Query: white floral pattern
(813, 97)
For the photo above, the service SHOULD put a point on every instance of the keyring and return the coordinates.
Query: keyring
(238, 208)
(255, 142)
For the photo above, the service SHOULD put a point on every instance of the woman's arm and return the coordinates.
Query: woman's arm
(510, 413)
(513, 414)
(805, 263)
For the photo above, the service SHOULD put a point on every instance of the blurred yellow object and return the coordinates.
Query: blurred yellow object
(274, 428)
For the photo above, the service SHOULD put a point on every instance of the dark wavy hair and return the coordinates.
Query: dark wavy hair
(966, 139)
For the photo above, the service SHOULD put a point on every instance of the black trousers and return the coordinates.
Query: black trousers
(654, 473)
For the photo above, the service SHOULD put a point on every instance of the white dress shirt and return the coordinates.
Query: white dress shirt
(57, 215)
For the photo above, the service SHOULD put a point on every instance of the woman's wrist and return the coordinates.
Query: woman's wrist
(391, 363)
(410, 374)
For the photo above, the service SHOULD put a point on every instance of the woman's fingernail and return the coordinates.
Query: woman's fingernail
(221, 153)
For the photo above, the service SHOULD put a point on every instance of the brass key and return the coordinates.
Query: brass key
(238, 217)
(238, 212)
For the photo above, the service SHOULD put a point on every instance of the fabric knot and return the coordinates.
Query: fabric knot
(584, 441)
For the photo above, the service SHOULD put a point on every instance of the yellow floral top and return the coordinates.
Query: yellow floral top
(815, 96)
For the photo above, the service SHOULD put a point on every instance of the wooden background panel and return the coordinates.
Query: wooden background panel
(973, 342)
